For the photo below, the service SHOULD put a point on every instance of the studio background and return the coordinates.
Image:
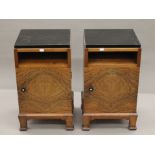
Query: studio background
(9, 30)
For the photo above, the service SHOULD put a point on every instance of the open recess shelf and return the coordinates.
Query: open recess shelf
(35, 59)
(100, 58)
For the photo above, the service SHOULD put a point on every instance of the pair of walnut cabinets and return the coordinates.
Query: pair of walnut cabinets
(111, 75)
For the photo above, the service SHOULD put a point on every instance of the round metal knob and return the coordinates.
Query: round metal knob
(91, 89)
(23, 89)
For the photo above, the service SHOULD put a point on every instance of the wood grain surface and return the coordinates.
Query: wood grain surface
(44, 88)
(114, 89)
(110, 85)
(47, 90)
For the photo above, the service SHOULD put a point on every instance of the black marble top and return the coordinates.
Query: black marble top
(43, 38)
(96, 38)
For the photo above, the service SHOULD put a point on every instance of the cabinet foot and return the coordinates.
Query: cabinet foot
(23, 123)
(85, 123)
(132, 122)
(69, 123)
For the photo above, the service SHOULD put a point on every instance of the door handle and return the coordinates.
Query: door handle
(91, 89)
(23, 90)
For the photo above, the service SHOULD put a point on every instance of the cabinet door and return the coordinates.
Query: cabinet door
(44, 90)
(110, 89)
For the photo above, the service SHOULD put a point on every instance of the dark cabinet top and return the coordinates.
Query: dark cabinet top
(43, 38)
(96, 38)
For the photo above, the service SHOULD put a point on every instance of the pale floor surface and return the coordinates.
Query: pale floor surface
(9, 122)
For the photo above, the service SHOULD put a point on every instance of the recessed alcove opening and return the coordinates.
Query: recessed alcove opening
(39, 58)
(112, 57)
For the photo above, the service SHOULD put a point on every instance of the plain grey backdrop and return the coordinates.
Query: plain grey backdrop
(9, 30)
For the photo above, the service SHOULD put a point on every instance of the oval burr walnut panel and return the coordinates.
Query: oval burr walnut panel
(44, 90)
(110, 89)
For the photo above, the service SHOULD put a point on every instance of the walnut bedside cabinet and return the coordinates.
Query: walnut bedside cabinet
(111, 75)
(43, 73)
